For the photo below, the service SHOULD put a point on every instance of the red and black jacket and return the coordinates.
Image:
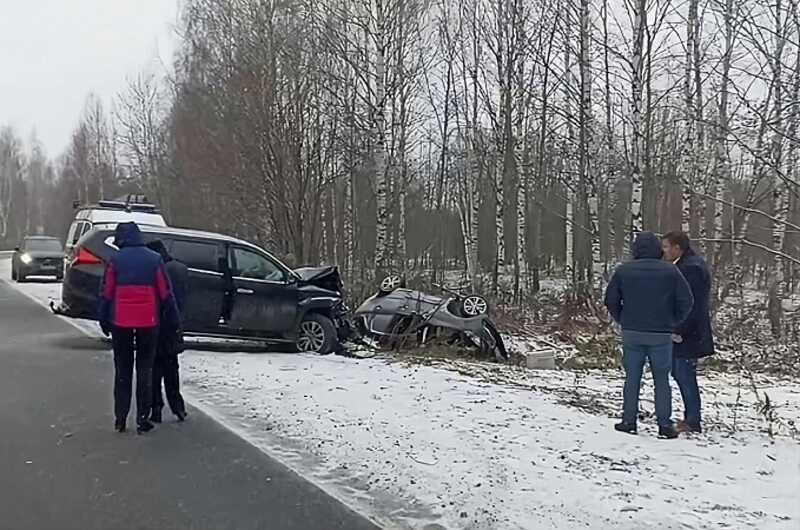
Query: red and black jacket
(136, 292)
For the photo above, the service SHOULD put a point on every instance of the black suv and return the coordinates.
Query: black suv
(236, 289)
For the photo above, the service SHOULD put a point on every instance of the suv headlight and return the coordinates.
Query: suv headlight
(26, 259)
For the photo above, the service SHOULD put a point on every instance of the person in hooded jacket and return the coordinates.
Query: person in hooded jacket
(135, 297)
(170, 341)
(693, 339)
(649, 298)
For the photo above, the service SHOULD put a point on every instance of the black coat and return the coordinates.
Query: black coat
(648, 294)
(698, 339)
(171, 338)
(179, 278)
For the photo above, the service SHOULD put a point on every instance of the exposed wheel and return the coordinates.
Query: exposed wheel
(390, 283)
(473, 306)
(317, 334)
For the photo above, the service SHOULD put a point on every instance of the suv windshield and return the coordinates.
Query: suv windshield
(43, 245)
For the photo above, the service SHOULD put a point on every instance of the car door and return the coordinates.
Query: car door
(205, 296)
(264, 294)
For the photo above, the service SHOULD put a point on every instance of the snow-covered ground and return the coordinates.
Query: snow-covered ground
(464, 445)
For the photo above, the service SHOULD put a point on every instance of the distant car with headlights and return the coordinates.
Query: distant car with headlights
(38, 256)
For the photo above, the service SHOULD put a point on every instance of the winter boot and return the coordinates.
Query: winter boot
(119, 425)
(688, 427)
(667, 432)
(144, 426)
(181, 415)
(629, 428)
(155, 415)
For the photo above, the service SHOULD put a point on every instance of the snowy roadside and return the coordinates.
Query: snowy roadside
(474, 446)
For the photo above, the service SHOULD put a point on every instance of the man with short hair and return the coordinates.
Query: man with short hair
(694, 338)
(649, 298)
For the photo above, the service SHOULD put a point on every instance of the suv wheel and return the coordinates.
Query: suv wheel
(317, 334)
(473, 306)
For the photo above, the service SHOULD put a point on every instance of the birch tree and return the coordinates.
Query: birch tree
(637, 62)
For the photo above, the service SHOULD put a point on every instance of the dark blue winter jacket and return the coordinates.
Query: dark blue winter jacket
(698, 339)
(648, 294)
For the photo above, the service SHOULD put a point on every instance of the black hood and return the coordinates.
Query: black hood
(647, 246)
(158, 246)
(128, 235)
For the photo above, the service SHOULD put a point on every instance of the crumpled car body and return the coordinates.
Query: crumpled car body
(404, 314)
(326, 277)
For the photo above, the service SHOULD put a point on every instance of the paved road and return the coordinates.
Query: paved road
(62, 466)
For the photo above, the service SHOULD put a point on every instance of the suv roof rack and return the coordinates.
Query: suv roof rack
(129, 203)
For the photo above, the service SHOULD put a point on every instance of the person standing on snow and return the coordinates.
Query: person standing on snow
(693, 339)
(649, 298)
(135, 297)
(170, 341)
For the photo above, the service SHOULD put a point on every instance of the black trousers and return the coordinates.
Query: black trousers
(126, 341)
(166, 367)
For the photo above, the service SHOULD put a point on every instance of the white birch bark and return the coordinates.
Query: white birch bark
(568, 170)
(379, 137)
(637, 62)
(686, 170)
(779, 190)
(519, 154)
(587, 143)
(722, 162)
(501, 136)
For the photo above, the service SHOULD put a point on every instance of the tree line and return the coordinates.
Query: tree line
(508, 140)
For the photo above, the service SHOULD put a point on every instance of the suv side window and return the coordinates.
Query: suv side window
(74, 233)
(201, 255)
(248, 264)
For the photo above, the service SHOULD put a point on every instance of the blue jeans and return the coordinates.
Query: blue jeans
(633, 359)
(685, 373)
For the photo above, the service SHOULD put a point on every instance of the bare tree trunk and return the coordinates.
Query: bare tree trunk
(379, 135)
(519, 139)
(686, 172)
(637, 61)
(610, 158)
(567, 169)
(779, 189)
(588, 176)
(722, 162)
(502, 133)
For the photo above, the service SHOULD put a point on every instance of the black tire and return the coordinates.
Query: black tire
(60, 278)
(317, 334)
(20, 277)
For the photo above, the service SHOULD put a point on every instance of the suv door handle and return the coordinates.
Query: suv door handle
(244, 291)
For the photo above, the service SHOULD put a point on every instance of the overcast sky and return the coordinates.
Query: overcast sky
(53, 53)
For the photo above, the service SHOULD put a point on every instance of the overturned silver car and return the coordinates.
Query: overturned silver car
(396, 315)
